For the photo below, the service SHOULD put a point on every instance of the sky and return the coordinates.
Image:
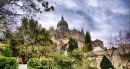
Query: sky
(102, 18)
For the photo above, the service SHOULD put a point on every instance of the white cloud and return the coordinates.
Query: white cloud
(92, 3)
(102, 17)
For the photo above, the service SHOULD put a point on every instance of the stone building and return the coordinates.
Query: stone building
(63, 33)
(96, 43)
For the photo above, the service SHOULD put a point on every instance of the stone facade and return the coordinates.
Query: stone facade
(62, 32)
(116, 59)
(96, 43)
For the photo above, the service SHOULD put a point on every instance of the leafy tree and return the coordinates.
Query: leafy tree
(78, 55)
(35, 63)
(87, 43)
(7, 51)
(72, 45)
(62, 61)
(9, 10)
(8, 63)
(105, 63)
(30, 33)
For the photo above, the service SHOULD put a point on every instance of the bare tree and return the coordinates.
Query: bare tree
(122, 42)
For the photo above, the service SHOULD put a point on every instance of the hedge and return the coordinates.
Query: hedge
(35, 63)
(8, 63)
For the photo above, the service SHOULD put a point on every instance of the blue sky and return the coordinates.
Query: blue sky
(103, 18)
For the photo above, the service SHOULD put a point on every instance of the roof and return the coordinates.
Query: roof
(97, 40)
(62, 22)
(124, 45)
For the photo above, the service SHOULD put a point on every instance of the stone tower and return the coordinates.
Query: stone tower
(62, 30)
(62, 25)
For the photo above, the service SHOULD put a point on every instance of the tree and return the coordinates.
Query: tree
(120, 41)
(9, 10)
(105, 63)
(87, 42)
(29, 39)
(33, 34)
(7, 51)
(127, 36)
(72, 44)
(61, 60)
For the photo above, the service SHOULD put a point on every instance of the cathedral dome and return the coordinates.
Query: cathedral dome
(62, 22)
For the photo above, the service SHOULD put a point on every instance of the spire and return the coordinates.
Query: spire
(62, 18)
(82, 31)
(129, 27)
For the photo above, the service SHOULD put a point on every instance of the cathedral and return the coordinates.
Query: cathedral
(63, 33)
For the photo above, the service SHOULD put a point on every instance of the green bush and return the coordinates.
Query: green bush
(105, 63)
(49, 64)
(78, 55)
(62, 61)
(35, 63)
(6, 50)
(8, 63)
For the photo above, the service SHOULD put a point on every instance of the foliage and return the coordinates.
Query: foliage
(61, 60)
(49, 63)
(105, 63)
(48, 51)
(78, 55)
(5, 50)
(85, 65)
(87, 46)
(35, 63)
(30, 35)
(8, 63)
(10, 11)
(72, 45)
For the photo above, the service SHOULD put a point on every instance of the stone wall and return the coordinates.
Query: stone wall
(116, 60)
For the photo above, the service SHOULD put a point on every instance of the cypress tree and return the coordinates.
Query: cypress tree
(105, 63)
(87, 42)
(72, 45)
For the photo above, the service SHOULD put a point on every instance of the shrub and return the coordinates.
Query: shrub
(8, 63)
(62, 61)
(49, 64)
(6, 50)
(78, 55)
(35, 63)
(105, 63)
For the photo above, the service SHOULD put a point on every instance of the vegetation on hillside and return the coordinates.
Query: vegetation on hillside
(87, 42)
(72, 44)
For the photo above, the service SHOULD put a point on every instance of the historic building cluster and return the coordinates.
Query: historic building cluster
(63, 32)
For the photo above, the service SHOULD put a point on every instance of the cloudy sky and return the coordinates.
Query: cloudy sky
(103, 18)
